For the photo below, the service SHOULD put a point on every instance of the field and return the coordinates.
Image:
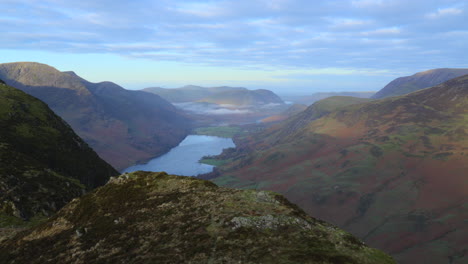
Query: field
(221, 131)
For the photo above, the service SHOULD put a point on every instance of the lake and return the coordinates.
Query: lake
(183, 159)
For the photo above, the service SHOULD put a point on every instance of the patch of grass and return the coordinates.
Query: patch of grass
(221, 131)
(215, 162)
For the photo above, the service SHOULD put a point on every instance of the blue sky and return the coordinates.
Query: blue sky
(284, 45)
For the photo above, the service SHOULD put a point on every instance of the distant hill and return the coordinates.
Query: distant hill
(146, 217)
(392, 171)
(317, 110)
(189, 93)
(310, 99)
(43, 163)
(122, 126)
(418, 81)
(217, 95)
(243, 98)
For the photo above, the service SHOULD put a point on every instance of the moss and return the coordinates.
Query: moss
(147, 217)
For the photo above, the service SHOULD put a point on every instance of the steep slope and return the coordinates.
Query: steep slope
(43, 163)
(418, 81)
(122, 126)
(393, 171)
(148, 217)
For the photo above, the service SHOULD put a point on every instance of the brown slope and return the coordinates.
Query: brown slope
(43, 163)
(146, 217)
(393, 171)
(418, 81)
(122, 126)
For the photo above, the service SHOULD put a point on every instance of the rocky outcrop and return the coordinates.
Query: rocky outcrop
(146, 217)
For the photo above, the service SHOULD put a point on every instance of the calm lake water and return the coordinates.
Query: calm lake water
(183, 159)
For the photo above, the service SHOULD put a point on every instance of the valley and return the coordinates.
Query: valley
(382, 169)
(231, 131)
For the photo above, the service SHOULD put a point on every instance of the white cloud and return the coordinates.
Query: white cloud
(383, 31)
(368, 3)
(444, 12)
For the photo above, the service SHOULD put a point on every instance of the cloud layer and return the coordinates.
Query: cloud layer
(290, 34)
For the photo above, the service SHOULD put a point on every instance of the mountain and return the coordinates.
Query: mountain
(148, 217)
(189, 93)
(418, 81)
(315, 111)
(43, 163)
(244, 98)
(292, 110)
(123, 126)
(310, 99)
(217, 95)
(393, 172)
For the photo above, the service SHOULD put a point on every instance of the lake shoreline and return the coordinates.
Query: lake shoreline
(184, 159)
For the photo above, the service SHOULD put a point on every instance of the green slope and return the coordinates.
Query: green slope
(43, 163)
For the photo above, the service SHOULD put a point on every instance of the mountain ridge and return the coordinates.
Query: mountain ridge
(417, 81)
(238, 96)
(123, 126)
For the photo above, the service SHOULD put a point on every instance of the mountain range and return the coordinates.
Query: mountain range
(43, 163)
(418, 81)
(140, 217)
(390, 171)
(122, 126)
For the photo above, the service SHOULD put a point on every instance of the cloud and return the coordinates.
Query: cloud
(211, 109)
(279, 34)
(444, 12)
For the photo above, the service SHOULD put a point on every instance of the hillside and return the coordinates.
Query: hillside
(418, 81)
(392, 171)
(310, 99)
(122, 126)
(290, 111)
(43, 163)
(301, 119)
(235, 96)
(147, 217)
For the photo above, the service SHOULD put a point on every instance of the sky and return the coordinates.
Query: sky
(288, 46)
